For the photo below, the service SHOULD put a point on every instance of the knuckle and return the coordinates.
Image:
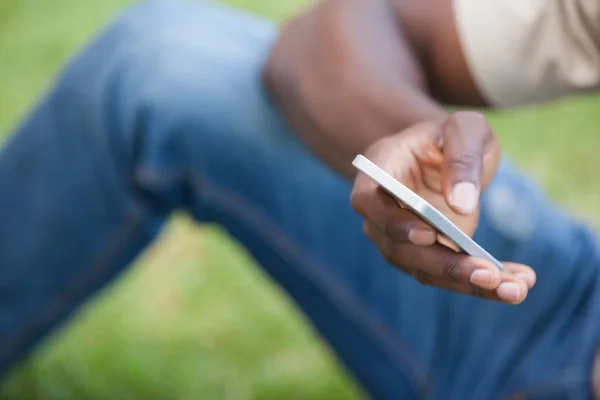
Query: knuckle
(471, 123)
(422, 278)
(395, 230)
(451, 269)
(477, 292)
(392, 251)
(466, 161)
(357, 200)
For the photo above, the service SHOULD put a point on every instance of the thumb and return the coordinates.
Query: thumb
(466, 135)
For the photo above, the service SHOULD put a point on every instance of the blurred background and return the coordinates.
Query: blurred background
(194, 318)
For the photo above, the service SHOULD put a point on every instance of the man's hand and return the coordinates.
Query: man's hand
(347, 73)
(447, 163)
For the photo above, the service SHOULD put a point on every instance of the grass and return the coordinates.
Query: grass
(194, 318)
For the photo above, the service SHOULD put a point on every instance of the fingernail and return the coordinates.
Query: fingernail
(421, 236)
(482, 277)
(509, 291)
(464, 196)
(529, 280)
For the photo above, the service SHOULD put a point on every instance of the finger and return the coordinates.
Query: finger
(407, 228)
(523, 272)
(511, 289)
(465, 137)
(443, 268)
(436, 260)
(384, 212)
(442, 239)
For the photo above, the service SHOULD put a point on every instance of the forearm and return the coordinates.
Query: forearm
(387, 106)
(357, 80)
(338, 147)
(349, 72)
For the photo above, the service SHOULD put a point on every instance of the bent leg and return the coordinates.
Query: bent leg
(245, 170)
(166, 110)
(73, 211)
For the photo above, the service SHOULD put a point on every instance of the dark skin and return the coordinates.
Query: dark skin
(429, 26)
(370, 77)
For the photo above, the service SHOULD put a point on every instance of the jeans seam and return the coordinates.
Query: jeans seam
(341, 298)
(77, 288)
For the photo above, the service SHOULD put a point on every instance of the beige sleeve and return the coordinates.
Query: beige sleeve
(523, 51)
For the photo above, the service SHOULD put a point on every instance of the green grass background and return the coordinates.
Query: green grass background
(194, 318)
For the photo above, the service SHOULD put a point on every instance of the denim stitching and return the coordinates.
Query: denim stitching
(347, 304)
(78, 289)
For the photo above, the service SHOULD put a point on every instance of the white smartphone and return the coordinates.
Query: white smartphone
(423, 209)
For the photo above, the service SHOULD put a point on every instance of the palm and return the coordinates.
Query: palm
(415, 158)
(448, 163)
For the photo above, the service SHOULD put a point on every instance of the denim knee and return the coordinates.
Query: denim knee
(161, 72)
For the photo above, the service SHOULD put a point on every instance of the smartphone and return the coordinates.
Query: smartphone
(423, 209)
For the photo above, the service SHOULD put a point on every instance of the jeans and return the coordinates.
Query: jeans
(165, 110)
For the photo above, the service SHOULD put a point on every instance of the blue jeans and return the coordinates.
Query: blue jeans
(165, 110)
